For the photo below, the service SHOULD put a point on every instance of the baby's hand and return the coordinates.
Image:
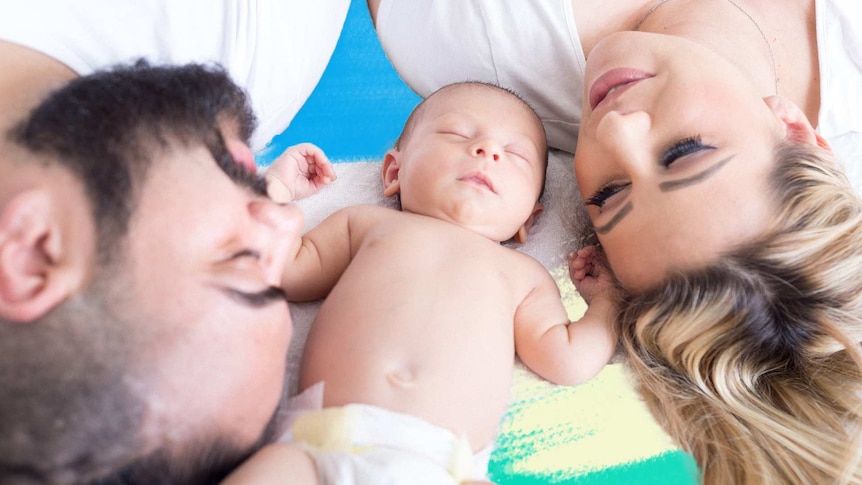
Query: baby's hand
(588, 272)
(300, 171)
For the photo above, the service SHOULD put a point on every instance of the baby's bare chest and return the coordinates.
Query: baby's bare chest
(437, 271)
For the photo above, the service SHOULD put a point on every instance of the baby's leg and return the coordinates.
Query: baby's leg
(276, 463)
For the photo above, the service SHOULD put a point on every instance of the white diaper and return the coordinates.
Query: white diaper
(363, 445)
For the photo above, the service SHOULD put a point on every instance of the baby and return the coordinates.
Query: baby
(410, 357)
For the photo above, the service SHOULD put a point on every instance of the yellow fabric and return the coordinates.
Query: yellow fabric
(328, 429)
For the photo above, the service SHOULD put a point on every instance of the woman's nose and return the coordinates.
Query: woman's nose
(625, 135)
(279, 229)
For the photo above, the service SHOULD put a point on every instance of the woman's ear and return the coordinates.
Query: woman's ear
(521, 236)
(33, 277)
(391, 170)
(797, 127)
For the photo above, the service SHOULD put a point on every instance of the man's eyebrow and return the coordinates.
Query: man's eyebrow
(238, 173)
(604, 229)
(696, 178)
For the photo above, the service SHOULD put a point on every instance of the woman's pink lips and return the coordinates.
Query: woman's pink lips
(621, 78)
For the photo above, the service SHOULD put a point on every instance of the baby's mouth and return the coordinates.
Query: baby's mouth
(478, 178)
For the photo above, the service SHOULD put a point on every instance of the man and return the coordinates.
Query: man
(141, 335)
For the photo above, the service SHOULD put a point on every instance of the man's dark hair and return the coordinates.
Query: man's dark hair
(72, 394)
(106, 127)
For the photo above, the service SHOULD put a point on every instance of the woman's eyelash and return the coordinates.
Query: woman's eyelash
(683, 148)
(599, 198)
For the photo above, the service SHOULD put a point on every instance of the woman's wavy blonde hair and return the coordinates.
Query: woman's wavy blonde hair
(753, 364)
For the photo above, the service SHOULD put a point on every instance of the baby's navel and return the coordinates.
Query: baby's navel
(401, 377)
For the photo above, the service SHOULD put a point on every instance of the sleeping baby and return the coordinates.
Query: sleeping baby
(407, 368)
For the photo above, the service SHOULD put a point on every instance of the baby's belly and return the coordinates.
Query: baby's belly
(457, 380)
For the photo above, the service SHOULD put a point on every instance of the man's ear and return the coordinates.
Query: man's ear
(32, 282)
(391, 170)
(797, 127)
(521, 235)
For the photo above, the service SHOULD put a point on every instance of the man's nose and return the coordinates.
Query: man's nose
(280, 227)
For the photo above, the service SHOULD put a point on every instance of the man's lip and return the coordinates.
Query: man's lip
(621, 78)
(478, 178)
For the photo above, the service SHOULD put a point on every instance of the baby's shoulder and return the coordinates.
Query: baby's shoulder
(364, 220)
(526, 267)
(368, 213)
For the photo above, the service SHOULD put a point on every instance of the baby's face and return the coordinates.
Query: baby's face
(475, 157)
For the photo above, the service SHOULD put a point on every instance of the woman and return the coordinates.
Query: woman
(727, 221)
(539, 49)
(736, 248)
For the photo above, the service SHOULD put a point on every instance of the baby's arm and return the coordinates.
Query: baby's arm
(317, 260)
(566, 352)
(300, 171)
(275, 463)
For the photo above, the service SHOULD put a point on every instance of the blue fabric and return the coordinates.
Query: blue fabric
(360, 104)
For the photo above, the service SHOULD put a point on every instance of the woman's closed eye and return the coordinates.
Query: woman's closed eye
(685, 147)
(601, 196)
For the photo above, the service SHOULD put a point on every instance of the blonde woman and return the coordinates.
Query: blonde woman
(735, 239)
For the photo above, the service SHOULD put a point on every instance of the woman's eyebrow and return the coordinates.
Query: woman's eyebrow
(666, 187)
(624, 211)
(696, 178)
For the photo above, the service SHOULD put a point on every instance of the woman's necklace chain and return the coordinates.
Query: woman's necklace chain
(762, 34)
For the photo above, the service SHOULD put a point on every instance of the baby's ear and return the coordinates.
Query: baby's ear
(797, 127)
(34, 274)
(521, 235)
(391, 170)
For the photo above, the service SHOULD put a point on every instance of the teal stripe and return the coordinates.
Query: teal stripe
(672, 468)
